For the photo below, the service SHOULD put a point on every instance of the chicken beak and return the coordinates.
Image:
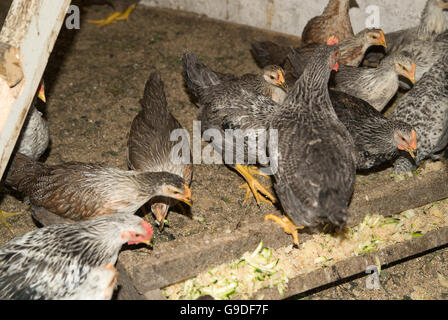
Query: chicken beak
(411, 152)
(411, 74)
(41, 92)
(281, 81)
(186, 197)
(382, 40)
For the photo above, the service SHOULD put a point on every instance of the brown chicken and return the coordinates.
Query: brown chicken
(334, 21)
(149, 144)
(81, 191)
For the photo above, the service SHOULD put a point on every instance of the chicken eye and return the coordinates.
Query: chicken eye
(272, 77)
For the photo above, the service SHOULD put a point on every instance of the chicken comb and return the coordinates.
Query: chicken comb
(332, 41)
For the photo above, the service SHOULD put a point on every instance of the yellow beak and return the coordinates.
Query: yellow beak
(41, 92)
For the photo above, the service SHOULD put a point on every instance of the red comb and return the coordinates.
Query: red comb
(332, 41)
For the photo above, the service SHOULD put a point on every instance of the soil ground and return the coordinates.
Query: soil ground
(94, 80)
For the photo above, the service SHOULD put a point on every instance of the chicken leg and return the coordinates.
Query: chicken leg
(287, 225)
(5, 215)
(254, 185)
(114, 17)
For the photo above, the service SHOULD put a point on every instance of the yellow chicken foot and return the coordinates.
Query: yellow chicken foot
(114, 17)
(254, 185)
(287, 225)
(5, 215)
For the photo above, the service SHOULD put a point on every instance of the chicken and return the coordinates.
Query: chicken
(33, 140)
(433, 22)
(149, 144)
(425, 53)
(123, 9)
(315, 175)
(352, 52)
(377, 86)
(35, 135)
(377, 138)
(334, 21)
(79, 191)
(68, 261)
(231, 104)
(425, 107)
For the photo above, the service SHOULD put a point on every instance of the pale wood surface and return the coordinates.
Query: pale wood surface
(32, 26)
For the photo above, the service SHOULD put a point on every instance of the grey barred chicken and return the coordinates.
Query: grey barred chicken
(352, 52)
(149, 143)
(377, 86)
(377, 138)
(269, 82)
(80, 191)
(432, 22)
(315, 176)
(68, 261)
(425, 107)
(334, 21)
(230, 104)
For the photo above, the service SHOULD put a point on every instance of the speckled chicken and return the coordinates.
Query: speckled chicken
(68, 261)
(377, 138)
(425, 107)
(377, 86)
(334, 21)
(352, 52)
(80, 191)
(316, 169)
(123, 9)
(231, 103)
(432, 22)
(425, 53)
(149, 143)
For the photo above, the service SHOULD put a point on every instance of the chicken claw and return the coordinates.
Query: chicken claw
(114, 17)
(5, 215)
(287, 225)
(254, 185)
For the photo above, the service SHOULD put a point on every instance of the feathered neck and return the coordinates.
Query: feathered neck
(339, 6)
(433, 20)
(310, 92)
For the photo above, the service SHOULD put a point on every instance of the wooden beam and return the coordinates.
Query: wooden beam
(184, 258)
(26, 41)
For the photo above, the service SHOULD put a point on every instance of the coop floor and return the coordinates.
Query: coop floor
(94, 80)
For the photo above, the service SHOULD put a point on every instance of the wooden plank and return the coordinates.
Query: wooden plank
(181, 259)
(358, 265)
(31, 27)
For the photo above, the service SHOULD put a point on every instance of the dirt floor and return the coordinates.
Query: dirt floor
(94, 80)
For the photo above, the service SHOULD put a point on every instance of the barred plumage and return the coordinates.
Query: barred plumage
(69, 260)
